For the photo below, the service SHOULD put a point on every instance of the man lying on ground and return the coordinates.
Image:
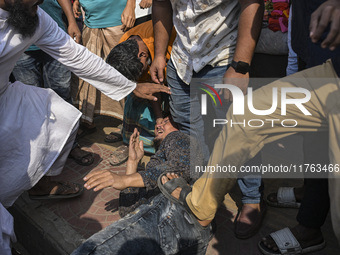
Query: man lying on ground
(157, 226)
(172, 155)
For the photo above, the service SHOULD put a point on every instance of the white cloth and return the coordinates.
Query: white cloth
(206, 34)
(35, 123)
(7, 231)
(139, 12)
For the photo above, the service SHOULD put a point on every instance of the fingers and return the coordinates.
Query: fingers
(98, 180)
(141, 146)
(318, 23)
(327, 14)
(160, 88)
(157, 75)
(77, 37)
(145, 90)
(332, 39)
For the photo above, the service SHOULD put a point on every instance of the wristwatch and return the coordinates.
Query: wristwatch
(240, 67)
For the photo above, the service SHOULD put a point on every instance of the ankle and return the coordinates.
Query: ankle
(204, 223)
(254, 206)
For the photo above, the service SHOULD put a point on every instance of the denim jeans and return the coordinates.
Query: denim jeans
(251, 186)
(185, 106)
(160, 227)
(39, 69)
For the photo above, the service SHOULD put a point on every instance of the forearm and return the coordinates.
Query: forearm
(67, 9)
(131, 4)
(131, 166)
(157, 106)
(162, 25)
(133, 180)
(249, 29)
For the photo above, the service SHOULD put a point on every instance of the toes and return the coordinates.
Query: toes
(164, 179)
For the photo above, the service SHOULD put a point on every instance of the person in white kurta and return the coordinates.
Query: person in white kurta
(37, 127)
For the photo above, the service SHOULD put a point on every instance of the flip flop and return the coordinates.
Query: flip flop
(168, 187)
(113, 137)
(62, 188)
(119, 156)
(285, 198)
(80, 159)
(287, 244)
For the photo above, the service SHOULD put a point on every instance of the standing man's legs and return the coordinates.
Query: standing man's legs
(56, 76)
(237, 143)
(28, 69)
(185, 106)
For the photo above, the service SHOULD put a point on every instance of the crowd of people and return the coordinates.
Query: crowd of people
(149, 74)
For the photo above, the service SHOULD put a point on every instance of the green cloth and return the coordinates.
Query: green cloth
(103, 13)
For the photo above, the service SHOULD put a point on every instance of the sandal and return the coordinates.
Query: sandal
(119, 156)
(168, 187)
(60, 190)
(287, 244)
(113, 137)
(83, 158)
(285, 198)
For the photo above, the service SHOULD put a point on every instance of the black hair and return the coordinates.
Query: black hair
(124, 58)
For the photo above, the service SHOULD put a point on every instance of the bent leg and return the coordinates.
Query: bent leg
(239, 142)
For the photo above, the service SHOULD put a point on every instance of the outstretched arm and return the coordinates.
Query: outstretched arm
(101, 179)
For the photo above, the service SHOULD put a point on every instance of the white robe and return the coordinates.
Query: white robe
(35, 123)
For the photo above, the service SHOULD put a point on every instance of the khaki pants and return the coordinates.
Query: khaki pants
(244, 142)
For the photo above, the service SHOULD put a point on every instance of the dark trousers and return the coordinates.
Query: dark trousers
(315, 204)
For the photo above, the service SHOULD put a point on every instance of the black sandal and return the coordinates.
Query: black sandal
(80, 159)
(168, 187)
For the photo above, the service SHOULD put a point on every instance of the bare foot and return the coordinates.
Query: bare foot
(305, 236)
(168, 177)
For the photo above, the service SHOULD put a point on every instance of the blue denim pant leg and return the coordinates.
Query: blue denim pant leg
(160, 227)
(185, 105)
(56, 76)
(39, 69)
(28, 69)
(251, 185)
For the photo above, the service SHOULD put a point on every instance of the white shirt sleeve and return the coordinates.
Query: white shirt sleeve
(81, 61)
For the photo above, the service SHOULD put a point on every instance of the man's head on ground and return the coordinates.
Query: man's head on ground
(163, 129)
(130, 58)
(22, 15)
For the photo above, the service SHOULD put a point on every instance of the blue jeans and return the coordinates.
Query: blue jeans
(251, 186)
(39, 69)
(160, 227)
(185, 106)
